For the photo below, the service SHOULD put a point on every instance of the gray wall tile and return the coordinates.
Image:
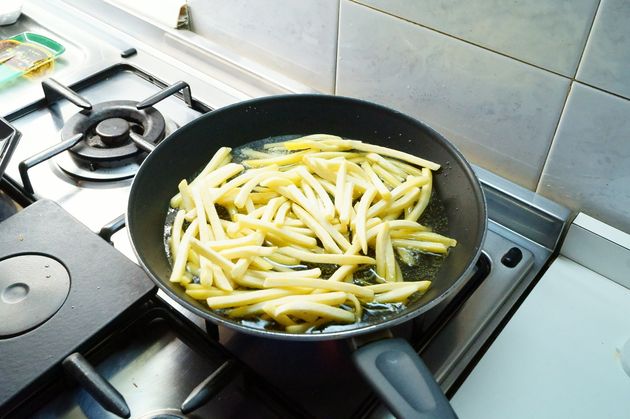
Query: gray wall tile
(588, 167)
(606, 61)
(296, 38)
(501, 113)
(548, 33)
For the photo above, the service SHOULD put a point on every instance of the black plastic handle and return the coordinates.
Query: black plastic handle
(402, 380)
(9, 138)
(103, 392)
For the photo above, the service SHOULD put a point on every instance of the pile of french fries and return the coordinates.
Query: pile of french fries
(318, 199)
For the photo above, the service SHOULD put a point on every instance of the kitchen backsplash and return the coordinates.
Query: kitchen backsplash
(536, 91)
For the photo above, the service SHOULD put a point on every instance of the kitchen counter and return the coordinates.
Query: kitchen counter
(560, 356)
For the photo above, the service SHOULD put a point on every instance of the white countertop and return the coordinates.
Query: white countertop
(560, 354)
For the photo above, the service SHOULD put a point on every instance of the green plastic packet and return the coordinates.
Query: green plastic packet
(27, 54)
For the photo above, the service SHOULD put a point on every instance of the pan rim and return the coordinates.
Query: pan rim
(389, 322)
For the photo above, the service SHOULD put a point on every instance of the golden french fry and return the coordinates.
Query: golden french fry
(357, 290)
(335, 259)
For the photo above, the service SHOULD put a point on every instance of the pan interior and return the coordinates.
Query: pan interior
(427, 266)
(185, 152)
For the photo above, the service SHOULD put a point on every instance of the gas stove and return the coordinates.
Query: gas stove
(84, 134)
(106, 135)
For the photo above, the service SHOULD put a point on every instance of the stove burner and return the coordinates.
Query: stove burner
(148, 123)
(104, 117)
(32, 289)
(107, 152)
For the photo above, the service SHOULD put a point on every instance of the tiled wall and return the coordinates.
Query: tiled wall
(537, 91)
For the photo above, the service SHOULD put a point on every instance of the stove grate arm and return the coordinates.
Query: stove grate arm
(77, 367)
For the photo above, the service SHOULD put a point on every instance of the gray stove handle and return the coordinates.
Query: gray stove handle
(402, 380)
(9, 138)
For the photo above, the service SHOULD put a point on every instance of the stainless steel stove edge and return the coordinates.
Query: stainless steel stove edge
(526, 213)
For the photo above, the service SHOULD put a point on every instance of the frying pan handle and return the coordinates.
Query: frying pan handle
(402, 380)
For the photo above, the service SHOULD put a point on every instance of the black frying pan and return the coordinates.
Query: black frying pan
(391, 365)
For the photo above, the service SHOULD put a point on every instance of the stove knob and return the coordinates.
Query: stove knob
(512, 257)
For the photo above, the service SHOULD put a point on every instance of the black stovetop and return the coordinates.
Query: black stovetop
(103, 285)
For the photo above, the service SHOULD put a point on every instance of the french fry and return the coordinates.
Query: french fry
(388, 286)
(247, 252)
(395, 295)
(321, 233)
(212, 255)
(390, 259)
(390, 152)
(179, 265)
(251, 297)
(216, 161)
(342, 273)
(387, 165)
(176, 231)
(387, 177)
(381, 251)
(289, 236)
(376, 181)
(424, 236)
(317, 309)
(361, 218)
(330, 258)
(415, 213)
(222, 174)
(280, 160)
(431, 247)
(281, 214)
(253, 239)
(203, 294)
(319, 284)
(346, 203)
(186, 197)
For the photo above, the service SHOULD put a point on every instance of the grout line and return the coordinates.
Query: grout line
(337, 48)
(463, 40)
(588, 37)
(617, 95)
(566, 99)
(553, 136)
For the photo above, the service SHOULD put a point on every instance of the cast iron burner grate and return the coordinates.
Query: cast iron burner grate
(106, 141)
(107, 129)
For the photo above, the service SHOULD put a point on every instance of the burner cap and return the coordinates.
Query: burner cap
(106, 129)
(113, 131)
(32, 289)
